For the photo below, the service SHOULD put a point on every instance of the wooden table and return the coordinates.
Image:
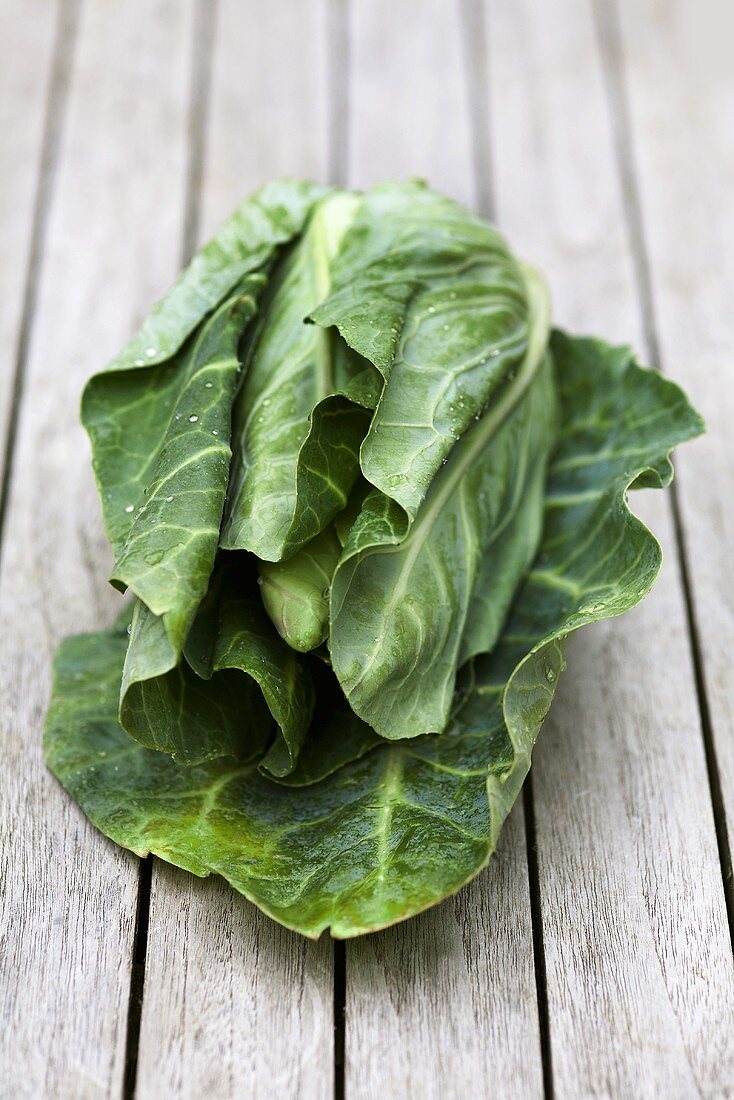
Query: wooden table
(593, 957)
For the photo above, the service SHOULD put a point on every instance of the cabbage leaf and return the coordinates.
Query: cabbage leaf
(360, 493)
(391, 827)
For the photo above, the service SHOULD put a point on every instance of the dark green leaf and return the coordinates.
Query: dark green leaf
(401, 824)
(127, 408)
(431, 296)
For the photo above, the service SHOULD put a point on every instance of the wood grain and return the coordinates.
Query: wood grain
(408, 96)
(680, 83)
(626, 205)
(444, 1005)
(69, 896)
(637, 955)
(234, 1004)
(26, 65)
(269, 113)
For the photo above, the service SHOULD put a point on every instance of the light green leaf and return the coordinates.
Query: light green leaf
(430, 294)
(401, 595)
(299, 423)
(295, 592)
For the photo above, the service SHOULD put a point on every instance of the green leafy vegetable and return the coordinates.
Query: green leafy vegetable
(360, 494)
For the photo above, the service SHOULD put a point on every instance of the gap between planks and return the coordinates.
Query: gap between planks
(56, 101)
(475, 24)
(202, 59)
(611, 52)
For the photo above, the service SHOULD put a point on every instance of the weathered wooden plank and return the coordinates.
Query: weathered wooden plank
(557, 190)
(26, 59)
(637, 954)
(444, 1005)
(408, 96)
(681, 99)
(69, 896)
(232, 1001)
(639, 977)
(270, 110)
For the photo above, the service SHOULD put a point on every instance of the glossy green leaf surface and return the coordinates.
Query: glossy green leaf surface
(238, 685)
(431, 295)
(127, 409)
(365, 831)
(401, 593)
(169, 551)
(298, 432)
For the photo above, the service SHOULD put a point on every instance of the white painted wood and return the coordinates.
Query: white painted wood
(26, 56)
(408, 96)
(681, 98)
(444, 1005)
(233, 1004)
(269, 114)
(639, 972)
(69, 895)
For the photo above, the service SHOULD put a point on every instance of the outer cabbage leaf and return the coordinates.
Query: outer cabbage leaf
(401, 595)
(160, 419)
(403, 824)
(168, 553)
(166, 705)
(127, 408)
